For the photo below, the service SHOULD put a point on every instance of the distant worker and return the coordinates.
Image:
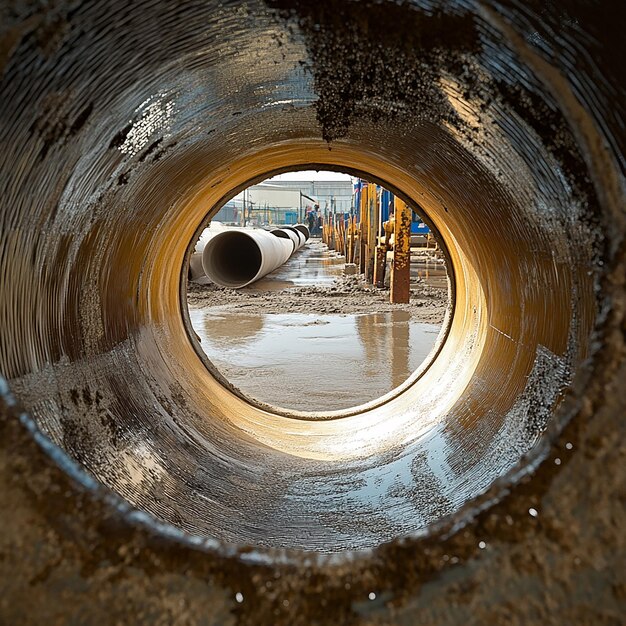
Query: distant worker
(317, 228)
(318, 224)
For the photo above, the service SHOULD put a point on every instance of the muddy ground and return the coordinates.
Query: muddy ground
(346, 295)
(286, 341)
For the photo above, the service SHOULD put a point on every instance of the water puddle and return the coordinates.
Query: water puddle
(312, 265)
(313, 362)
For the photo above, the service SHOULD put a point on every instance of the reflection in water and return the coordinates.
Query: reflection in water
(386, 340)
(304, 269)
(399, 347)
(224, 330)
(313, 362)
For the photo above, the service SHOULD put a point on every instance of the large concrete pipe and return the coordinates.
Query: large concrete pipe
(302, 238)
(196, 271)
(285, 234)
(304, 230)
(237, 258)
(298, 237)
(136, 486)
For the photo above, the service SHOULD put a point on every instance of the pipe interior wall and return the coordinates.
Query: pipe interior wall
(113, 162)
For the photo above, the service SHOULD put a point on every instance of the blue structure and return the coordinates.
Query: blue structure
(418, 227)
(386, 199)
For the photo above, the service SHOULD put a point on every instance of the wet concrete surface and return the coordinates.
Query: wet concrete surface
(311, 361)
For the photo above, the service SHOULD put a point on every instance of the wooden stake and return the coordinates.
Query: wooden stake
(353, 239)
(385, 230)
(381, 262)
(363, 229)
(349, 241)
(401, 268)
(372, 231)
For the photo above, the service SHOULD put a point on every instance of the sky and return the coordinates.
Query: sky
(311, 175)
(305, 175)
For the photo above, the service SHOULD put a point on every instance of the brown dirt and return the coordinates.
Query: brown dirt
(349, 294)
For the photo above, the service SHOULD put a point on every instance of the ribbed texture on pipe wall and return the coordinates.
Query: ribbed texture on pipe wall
(111, 159)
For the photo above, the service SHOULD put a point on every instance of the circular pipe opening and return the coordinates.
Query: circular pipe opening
(94, 344)
(304, 230)
(320, 415)
(233, 270)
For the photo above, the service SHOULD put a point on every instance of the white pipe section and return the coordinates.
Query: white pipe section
(288, 233)
(236, 258)
(195, 266)
(285, 233)
(300, 236)
(304, 230)
(298, 233)
(196, 270)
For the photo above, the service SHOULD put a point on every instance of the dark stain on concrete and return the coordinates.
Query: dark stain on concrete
(379, 59)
